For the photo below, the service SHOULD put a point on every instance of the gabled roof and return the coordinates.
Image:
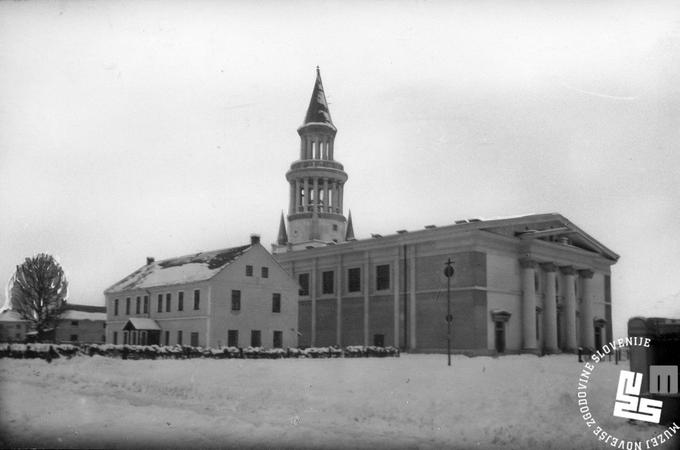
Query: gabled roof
(141, 323)
(184, 269)
(318, 112)
(84, 308)
(72, 314)
(11, 316)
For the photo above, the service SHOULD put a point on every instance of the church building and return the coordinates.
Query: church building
(535, 283)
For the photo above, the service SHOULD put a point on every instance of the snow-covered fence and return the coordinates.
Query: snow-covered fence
(51, 351)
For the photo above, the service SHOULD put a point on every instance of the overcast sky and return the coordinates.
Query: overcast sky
(134, 129)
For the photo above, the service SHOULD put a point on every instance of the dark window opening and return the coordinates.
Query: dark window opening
(194, 339)
(197, 299)
(74, 337)
(235, 300)
(354, 280)
(265, 272)
(127, 306)
(249, 271)
(74, 323)
(168, 300)
(138, 306)
(180, 301)
(276, 302)
(115, 338)
(327, 282)
(232, 338)
(379, 340)
(115, 307)
(179, 337)
(160, 302)
(382, 277)
(303, 281)
(255, 338)
(278, 339)
(146, 304)
(500, 337)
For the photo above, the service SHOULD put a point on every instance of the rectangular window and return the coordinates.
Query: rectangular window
(265, 272)
(235, 300)
(74, 323)
(160, 302)
(354, 280)
(138, 308)
(115, 338)
(327, 282)
(382, 277)
(167, 338)
(303, 281)
(249, 271)
(125, 337)
(232, 338)
(74, 337)
(115, 307)
(180, 301)
(255, 338)
(168, 301)
(194, 339)
(278, 339)
(276, 302)
(197, 299)
(146, 304)
(127, 306)
(179, 337)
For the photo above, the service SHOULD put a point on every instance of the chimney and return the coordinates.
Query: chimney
(150, 260)
(254, 239)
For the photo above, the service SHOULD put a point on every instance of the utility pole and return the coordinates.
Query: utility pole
(448, 272)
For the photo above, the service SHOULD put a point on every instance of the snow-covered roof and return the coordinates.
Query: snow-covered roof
(184, 269)
(10, 316)
(71, 314)
(141, 323)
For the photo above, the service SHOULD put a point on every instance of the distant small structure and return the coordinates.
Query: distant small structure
(12, 327)
(81, 324)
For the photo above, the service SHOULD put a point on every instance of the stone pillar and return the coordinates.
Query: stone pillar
(330, 151)
(338, 324)
(587, 327)
(396, 300)
(568, 273)
(315, 205)
(335, 197)
(340, 192)
(367, 287)
(298, 198)
(528, 305)
(291, 203)
(412, 299)
(305, 202)
(326, 203)
(550, 309)
(312, 293)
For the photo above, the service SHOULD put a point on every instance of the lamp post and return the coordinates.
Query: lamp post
(448, 272)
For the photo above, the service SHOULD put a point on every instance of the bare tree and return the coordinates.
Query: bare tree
(38, 291)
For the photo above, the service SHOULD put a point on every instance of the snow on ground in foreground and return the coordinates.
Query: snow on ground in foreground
(415, 401)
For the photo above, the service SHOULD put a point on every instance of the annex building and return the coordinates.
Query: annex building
(238, 297)
(535, 283)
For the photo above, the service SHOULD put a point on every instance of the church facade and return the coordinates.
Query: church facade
(535, 283)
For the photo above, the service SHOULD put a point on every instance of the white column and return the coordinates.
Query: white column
(395, 287)
(312, 292)
(338, 324)
(568, 273)
(367, 288)
(587, 327)
(550, 309)
(528, 304)
(412, 299)
(315, 205)
(298, 197)
(305, 200)
(325, 195)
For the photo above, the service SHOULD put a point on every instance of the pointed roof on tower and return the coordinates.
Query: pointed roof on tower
(318, 112)
(349, 234)
(283, 236)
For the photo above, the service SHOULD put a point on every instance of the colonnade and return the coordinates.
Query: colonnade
(550, 315)
(315, 194)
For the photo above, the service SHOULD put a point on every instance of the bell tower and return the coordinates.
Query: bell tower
(315, 211)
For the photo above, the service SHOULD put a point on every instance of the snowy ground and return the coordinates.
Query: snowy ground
(415, 401)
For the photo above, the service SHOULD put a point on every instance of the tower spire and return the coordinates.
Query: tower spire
(349, 235)
(283, 236)
(318, 112)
